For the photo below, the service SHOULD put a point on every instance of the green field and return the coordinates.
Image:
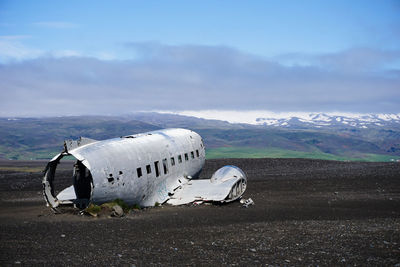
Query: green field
(250, 152)
(26, 153)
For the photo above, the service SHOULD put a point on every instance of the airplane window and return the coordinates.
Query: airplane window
(192, 154)
(172, 161)
(179, 158)
(139, 172)
(156, 167)
(165, 165)
(197, 153)
(148, 168)
(186, 156)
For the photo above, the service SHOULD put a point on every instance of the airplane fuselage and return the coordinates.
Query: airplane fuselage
(143, 169)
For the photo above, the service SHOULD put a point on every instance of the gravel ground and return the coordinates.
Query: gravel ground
(306, 212)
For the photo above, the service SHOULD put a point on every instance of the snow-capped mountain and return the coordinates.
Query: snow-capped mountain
(320, 120)
(297, 119)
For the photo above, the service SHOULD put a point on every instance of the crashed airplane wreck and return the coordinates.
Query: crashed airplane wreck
(143, 169)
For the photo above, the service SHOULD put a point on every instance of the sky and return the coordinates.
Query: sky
(117, 57)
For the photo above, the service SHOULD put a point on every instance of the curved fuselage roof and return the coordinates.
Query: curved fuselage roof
(141, 169)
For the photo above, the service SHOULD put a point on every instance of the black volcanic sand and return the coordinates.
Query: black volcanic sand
(306, 212)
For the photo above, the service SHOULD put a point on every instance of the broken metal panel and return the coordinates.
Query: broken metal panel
(72, 144)
(246, 202)
(226, 185)
(48, 188)
(67, 196)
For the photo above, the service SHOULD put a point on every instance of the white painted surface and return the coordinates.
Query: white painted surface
(114, 163)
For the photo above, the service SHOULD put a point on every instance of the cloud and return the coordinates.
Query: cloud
(56, 24)
(65, 53)
(11, 49)
(190, 77)
(361, 59)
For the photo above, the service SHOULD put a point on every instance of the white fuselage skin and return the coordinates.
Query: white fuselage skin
(177, 153)
(140, 169)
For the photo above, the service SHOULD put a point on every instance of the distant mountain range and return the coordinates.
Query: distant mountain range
(297, 119)
(320, 120)
(336, 137)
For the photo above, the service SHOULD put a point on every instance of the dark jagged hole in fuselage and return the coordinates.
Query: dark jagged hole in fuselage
(81, 180)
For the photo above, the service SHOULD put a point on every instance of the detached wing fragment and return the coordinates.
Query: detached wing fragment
(226, 185)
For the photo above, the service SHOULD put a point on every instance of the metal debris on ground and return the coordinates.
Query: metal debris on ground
(247, 202)
(117, 211)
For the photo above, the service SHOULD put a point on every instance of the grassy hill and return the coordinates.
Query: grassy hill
(42, 138)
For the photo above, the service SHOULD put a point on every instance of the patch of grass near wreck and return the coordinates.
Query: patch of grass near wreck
(125, 207)
(94, 209)
(136, 207)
